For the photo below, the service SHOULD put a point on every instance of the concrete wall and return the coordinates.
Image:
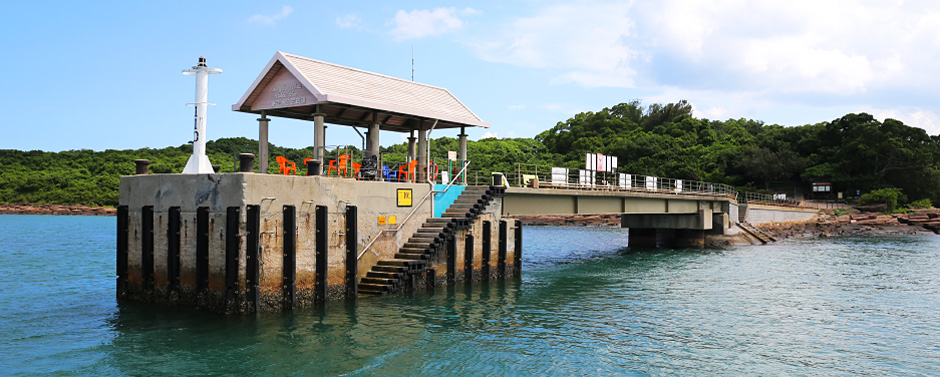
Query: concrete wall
(759, 214)
(272, 192)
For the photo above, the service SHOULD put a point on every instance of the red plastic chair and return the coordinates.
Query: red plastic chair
(356, 167)
(338, 165)
(407, 171)
(283, 162)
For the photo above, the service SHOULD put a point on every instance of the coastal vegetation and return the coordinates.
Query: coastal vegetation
(888, 161)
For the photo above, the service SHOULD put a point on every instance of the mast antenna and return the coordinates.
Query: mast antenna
(412, 62)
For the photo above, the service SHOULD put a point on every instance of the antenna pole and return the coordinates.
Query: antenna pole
(412, 62)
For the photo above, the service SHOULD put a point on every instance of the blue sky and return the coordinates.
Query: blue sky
(106, 75)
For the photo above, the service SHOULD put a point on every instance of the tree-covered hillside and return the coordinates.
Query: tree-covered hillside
(854, 152)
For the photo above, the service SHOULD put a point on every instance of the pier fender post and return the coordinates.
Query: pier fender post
(173, 252)
(487, 250)
(232, 246)
(452, 260)
(289, 267)
(468, 259)
(122, 245)
(321, 245)
(430, 279)
(517, 250)
(253, 256)
(501, 249)
(146, 249)
(202, 252)
(352, 251)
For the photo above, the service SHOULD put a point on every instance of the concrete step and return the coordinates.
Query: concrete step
(389, 269)
(379, 281)
(400, 262)
(411, 256)
(414, 250)
(384, 275)
(373, 289)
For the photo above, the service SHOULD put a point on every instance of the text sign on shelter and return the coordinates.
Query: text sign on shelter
(404, 197)
(283, 91)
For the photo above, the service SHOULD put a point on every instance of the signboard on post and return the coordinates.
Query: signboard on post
(452, 155)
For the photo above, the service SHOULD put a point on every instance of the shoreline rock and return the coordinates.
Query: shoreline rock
(55, 209)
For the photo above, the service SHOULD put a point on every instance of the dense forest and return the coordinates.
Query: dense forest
(854, 152)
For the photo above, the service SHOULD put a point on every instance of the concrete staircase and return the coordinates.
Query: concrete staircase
(757, 234)
(411, 261)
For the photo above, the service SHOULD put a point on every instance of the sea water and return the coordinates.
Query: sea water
(585, 305)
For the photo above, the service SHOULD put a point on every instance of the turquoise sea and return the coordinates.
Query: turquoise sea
(585, 305)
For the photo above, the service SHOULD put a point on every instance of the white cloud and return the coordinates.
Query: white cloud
(586, 43)
(271, 20)
(349, 21)
(914, 117)
(489, 134)
(516, 107)
(420, 23)
(844, 51)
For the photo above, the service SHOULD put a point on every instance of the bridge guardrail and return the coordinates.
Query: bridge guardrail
(564, 178)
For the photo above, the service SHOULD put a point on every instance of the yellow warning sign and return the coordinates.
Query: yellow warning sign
(404, 197)
(392, 220)
(381, 220)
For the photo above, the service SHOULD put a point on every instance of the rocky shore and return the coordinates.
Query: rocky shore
(828, 224)
(55, 209)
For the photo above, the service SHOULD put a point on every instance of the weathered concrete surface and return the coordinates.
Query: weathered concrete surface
(272, 192)
(760, 214)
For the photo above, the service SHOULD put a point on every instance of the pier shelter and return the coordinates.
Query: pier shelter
(293, 86)
(245, 242)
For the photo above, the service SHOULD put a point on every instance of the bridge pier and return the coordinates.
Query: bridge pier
(690, 239)
(667, 230)
(643, 238)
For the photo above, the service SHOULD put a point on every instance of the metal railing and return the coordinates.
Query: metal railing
(413, 211)
(564, 178)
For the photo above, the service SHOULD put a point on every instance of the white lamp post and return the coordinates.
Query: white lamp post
(199, 163)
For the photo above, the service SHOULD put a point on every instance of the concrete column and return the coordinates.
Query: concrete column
(666, 238)
(263, 143)
(690, 239)
(644, 238)
(411, 146)
(372, 141)
(319, 136)
(462, 153)
(421, 170)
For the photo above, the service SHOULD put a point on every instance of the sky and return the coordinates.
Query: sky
(107, 74)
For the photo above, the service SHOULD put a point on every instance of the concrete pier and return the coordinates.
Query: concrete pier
(244, 242)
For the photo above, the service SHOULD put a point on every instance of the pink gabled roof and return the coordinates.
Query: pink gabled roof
(349, 95)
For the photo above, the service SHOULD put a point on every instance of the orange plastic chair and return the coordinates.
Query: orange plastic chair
(284, 162)
(407, 171)
(356, 167)
(340, 164)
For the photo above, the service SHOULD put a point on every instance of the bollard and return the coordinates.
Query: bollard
(215, 168)
(122, 231)
(290, 256)
(232, 244)
(487, 250)
(468, 259)
(246, 162)
(352, 248)
(146, 247)
(143, 166)
(314, 167)
(173, 251)
(322, 237)
(253, 255)
(202, 249)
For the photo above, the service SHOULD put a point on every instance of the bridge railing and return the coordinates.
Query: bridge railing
(564, 178)
(768, 199)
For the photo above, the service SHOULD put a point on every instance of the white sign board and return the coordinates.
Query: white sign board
(559, 176)
(586, 178)
(650, 183)
(452, 155)
(625, 181)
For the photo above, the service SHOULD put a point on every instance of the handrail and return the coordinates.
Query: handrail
(418, 206)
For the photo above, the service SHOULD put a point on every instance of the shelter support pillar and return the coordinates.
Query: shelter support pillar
(263, 143)
(319, 136)
(462, 153)
(411, 146)
(372, 140)
(421, 171)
